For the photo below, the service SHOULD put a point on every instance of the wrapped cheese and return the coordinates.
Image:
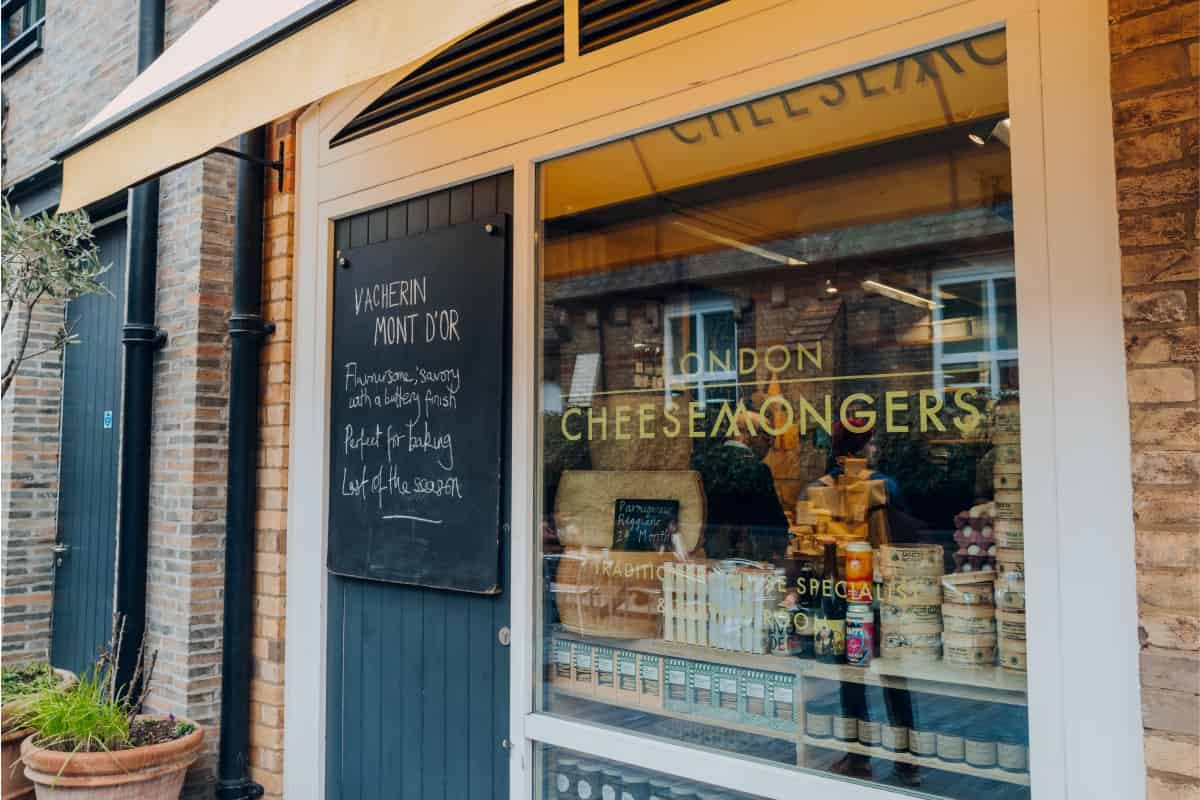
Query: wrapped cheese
(911, 561)
(915, 647)
(969, 651)
(910, 619)
(968, 620)
(921, 591)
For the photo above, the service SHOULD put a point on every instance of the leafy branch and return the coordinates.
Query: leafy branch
(46, 256)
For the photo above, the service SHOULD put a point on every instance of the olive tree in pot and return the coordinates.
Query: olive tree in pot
(18, 687)
(94, 743)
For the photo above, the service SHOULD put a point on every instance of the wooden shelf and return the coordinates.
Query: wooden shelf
(663, 712)
(986, 684)
(992, 774)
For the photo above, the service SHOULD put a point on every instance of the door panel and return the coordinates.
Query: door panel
(89, 449)
(417, 681)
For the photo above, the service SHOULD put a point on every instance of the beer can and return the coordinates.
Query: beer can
(860, 634)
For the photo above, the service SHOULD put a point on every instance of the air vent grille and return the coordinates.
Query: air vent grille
(603, 22)
(518, 44)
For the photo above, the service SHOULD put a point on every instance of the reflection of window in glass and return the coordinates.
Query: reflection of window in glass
(974, 326)
(701, 350)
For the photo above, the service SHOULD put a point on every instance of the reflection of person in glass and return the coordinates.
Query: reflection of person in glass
(897, 703)
(744, 516)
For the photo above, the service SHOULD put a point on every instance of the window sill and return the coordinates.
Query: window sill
(21, 49)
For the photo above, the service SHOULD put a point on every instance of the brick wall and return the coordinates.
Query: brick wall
(30, 488)
(1155, 69)
(88, 56)
(189, 445)
(275, 383)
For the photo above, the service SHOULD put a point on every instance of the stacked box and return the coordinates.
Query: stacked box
(560, 663)
(605, 660)
(727, 700)
(754, 705)
(782, 702)
(676, 696)
(650, 681)
(627, 677)
(700, 688)
(583, 671)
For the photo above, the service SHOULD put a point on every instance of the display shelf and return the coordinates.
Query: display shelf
(987, 684)
(992, 774)
(663, 712)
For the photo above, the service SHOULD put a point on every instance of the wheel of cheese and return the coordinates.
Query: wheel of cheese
(914, 647)
(1009, 504)
(1010, 595)
(1002, 481)
(1013, 655)
(910, 619)
(1009, 533)
(922, 591)
(969, 651)
(1010, 562)
(1011, 624)
(969, 588)
(911, 560)
(968, 620)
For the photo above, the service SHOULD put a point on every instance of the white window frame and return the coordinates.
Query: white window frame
(1075, 433)
(705, 377)
(991, 354)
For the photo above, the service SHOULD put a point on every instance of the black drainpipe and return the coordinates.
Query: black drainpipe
(247, 331)
(141, 338)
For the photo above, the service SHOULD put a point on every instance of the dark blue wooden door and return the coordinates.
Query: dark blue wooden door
(417, 680)
(87, 499)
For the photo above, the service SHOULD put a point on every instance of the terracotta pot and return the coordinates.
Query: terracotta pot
(12, 777)
(16, 785)
(155, 772)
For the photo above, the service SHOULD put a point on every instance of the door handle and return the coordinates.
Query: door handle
(61, 548)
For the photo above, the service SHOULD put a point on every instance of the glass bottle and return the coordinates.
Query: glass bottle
(829, 631)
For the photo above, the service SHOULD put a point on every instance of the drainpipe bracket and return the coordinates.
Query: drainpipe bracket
(250, 325)
(240, 789)
(141, 333)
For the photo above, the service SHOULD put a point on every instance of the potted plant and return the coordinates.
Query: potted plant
(93, 741)
(18, 686)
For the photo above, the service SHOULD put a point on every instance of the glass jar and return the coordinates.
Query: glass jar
(818, 719)
(951, 743)
(634, 786)
(1012, 752)
(563, 779)
(610, 783)
(587, 785)
(894, 737)
(979, 747)
(845, 725)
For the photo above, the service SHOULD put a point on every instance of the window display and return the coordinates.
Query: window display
(781, 461)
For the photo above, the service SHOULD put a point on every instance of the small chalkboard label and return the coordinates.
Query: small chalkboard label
(645, 525)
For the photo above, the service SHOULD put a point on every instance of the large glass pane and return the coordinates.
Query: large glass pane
(807, 551)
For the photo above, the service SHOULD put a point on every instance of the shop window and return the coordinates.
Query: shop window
(975, 327)
(21, 25)
(811, 552)
(701, 350)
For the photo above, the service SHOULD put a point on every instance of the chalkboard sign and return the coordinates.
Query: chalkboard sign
(418, 371)
(645, 525)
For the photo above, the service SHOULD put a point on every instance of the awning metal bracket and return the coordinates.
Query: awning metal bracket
(276, 165)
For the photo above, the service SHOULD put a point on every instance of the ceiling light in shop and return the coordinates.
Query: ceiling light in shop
(830, 288)
(1000, 131)
(899, 295)
(762, 252)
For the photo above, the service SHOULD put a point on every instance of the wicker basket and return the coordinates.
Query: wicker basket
(603, 592)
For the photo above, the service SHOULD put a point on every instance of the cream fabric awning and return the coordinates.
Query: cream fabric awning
(245, 63)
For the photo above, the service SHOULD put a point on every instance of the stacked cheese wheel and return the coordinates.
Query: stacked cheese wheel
(1010, 534)
(910, 612)
(970, 618)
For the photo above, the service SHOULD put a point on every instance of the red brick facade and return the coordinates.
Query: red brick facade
(1155, 53)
